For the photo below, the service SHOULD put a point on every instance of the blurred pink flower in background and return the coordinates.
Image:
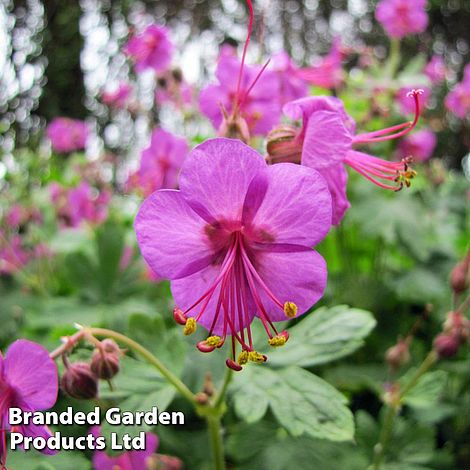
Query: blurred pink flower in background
(79, 204)
(151, 49)
(117, 96)
(420, 145)
(13, 256)
(406, 105)
(458, 100)
(67, 135)
(400, 18)
(291, 85)
(326, 72)
(160, 163)
(436, 70)
(260, 107)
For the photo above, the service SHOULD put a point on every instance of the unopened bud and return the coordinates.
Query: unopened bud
(398, 355)
(79, 381)
(208, 388)
(105, 365)
(282, 145)
(459, 277)
(201, 398)
(446, 345)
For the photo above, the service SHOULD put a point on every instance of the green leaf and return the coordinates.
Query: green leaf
(302, 403)
(325, 335)
(427, 392)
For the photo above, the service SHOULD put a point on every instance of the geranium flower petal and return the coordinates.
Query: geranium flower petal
(171, 235)
(216, 175)
(296, 208)
(298, 277)
(327, 140)
(28, 367)
(337, 178)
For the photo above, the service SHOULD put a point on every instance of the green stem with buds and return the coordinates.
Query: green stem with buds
(211, 412)
(149, 357)
(393, 408)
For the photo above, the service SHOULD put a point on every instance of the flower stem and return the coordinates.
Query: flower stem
(147, 355)
(393, 409)
(219, 398)
(217, 445)
(394, 57)
(385, 433)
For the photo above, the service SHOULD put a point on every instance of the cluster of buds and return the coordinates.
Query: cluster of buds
(456, 332)
(80, 379)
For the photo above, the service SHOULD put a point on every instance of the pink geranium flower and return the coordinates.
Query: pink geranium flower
(151, 49)
(326, 143)
(327, 71)
(246, 101)
(436, 69)
(420, 145)
(28, 380)
(255, 98)
(79, 204)
(13, 256)
(402, 17)
(235, 241)
(67, 135)
(458, 100)
(160, 163)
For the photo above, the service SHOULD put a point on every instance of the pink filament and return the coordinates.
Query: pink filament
(381, 135)
(237, 273)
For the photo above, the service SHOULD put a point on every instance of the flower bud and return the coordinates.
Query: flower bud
(105, 365)
(78, 381)
(283, 145)
(459, 279)
(398, 355)
(446, 345)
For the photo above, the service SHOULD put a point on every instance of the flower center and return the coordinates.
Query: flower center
(236, 290)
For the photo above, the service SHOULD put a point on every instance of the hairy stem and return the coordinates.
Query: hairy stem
(217, 445)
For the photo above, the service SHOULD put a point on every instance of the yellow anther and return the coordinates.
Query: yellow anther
(277, 341)
(243, 358)
(290, 309)
(213, 341)
(190, 326)
(255, 356)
